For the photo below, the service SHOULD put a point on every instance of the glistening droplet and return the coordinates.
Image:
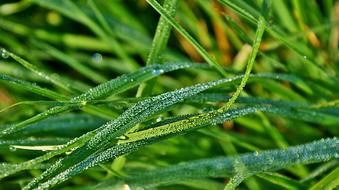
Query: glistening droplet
(4, 53)
(97, 58)
(12, 148)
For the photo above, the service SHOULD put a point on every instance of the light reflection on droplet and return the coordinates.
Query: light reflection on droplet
(97, 58)
(4, 53)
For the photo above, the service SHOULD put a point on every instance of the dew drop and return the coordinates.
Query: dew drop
(12, 148)
(159, 119)
(4, 53)
(123, 137)
(97, 58)
(158, 71)
(83, 103)
(305, 57)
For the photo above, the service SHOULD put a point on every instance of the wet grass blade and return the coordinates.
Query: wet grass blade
(271, 160)
(159, 43)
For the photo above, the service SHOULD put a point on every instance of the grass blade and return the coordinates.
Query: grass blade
(183, 32)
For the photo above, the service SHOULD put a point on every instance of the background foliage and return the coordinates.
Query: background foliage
(197, 94)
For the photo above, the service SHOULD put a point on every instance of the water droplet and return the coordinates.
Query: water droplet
(4, 53)
(12, 148)
(305, 57)
(123, 137)
(97, 58)
(159, 119)
(158, 71)
(126, 187)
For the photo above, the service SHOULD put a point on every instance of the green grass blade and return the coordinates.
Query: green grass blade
(140, 112)
(282, 181)
(32, 87)
(159, 43)
(256, 44)
(71, 10)
(72, 62)
(183, 32)
(66, 125)
(330, 181)
(165, 131)
(43, 74)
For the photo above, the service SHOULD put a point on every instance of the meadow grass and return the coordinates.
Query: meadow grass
(147, 94)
